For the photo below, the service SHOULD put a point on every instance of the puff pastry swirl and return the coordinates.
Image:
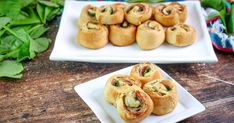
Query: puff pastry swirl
(145, 72)
(181, 35)
(134, 105)
(164, 95)
(92, 35)
(118, 84)
(138, 13)
(122, 34)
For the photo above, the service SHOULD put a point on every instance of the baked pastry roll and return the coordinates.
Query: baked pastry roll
(166, 15)
(181, 35)
(134, 105)
(110, 14)
(92, 35)
(164, 95)
(122, 34)
(181, 10)
(138, 13)
(150, 35)
(116, 85)
(145, 72)
(88, 14)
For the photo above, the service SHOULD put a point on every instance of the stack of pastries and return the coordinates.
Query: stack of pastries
(122, 25)
(141, 93)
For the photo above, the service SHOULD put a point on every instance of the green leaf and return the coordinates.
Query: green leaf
(230, 21)
(53, 14)
(48, 3)
(1, 33)
(37, 31)
(11, 69)
(216, 4)
(41, 11)
(40, 44)
(60, 2)
(48, 10)
(12, 8)
(8, 44)
(4, 21)
(31, 19)
(26, 21)
(23, 51)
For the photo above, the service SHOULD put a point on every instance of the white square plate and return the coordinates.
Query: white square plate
(66, 47)
(92, 94)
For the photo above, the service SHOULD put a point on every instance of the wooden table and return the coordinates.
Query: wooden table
(46, 94)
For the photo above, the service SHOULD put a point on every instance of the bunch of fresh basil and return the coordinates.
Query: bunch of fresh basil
(22, 25)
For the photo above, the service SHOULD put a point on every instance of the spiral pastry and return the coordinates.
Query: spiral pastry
(110, 14)
(145, 72)
(92, 35)
(134, 105)
(181, 9)
(181, 35)
(88, 14)
(150, 35)
(122, 34)
(116, 85)
(166, 15)
(164, 95)
(138, 13)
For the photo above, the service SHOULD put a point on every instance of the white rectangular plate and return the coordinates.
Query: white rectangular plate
(92, 94)
(66, 47)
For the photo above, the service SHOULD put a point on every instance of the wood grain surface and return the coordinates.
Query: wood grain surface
(45, 93)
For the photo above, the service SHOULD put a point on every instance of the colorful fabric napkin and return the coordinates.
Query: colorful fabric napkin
(219, 15)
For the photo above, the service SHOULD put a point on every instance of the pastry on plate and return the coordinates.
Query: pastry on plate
(116, 85)
(110, 14)
(134, 105)
(88, 14)
(181, 35)
(92, 35)
(164, 95)
(122, 34)
(166, 15)
(181, 10)
(145, 72)
(138, 13)
(150, 35)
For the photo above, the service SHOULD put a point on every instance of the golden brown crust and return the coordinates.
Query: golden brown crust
(181, 35)
(181, 10)
(150, 35)
(93, 35)
(87, 14)
(116, 85)
(134, 105)
(166, 15)
(110, 14)
(138, 13)
(164, 95)
(122, 34)
(145, 72)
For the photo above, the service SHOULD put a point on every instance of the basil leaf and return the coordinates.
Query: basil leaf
(41, 11)
(39, 45)
(48, 10)
(11, 69)
(4, 21)
(53, 14)
(48, 3)
(37, 31)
